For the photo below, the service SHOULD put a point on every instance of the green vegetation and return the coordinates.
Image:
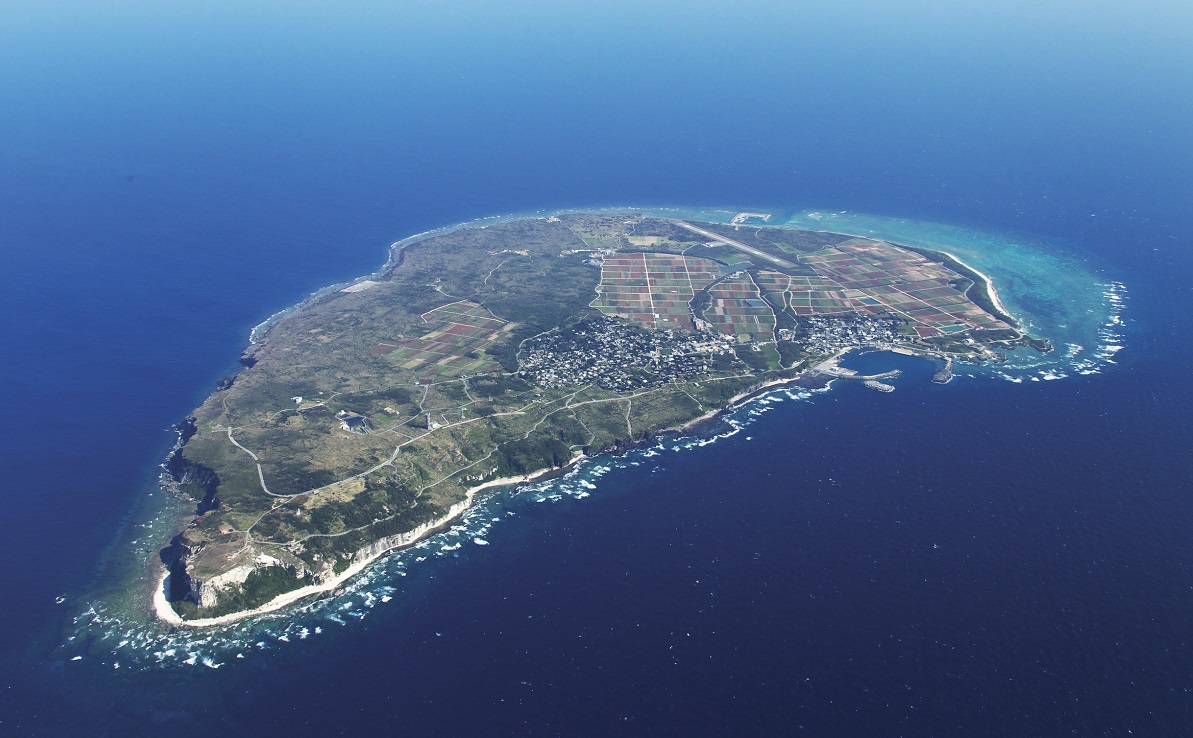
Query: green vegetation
(367, 414)
(261, 586)
(531, 454)
(369, 403)
(756, 360)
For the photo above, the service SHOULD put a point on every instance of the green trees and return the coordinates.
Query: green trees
(532, 454)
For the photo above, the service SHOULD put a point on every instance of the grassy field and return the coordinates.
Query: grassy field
(366, 413)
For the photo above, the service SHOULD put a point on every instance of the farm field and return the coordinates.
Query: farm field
(871, 276)
(810, 295)
(653, 290)
(463, 330)
(736, 308)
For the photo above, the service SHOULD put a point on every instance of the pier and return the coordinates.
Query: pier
(829, 369)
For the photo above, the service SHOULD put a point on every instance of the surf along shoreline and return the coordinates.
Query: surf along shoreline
(164, 611)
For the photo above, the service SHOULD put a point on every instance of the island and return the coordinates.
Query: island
(373, 414)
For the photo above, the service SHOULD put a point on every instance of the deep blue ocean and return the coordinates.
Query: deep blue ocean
(980, 558)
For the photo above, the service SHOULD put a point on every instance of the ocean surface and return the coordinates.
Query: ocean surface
(1008, 554)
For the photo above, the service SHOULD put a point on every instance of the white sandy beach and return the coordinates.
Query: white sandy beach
(989, 283)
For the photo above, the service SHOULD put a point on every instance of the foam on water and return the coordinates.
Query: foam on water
(1055, 295)
(105, 636)
(1055, 292)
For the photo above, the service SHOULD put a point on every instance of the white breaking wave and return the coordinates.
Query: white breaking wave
(114, 643)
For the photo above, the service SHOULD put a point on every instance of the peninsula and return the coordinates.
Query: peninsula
(371, 415)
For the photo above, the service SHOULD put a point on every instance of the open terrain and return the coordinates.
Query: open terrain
(365, 417)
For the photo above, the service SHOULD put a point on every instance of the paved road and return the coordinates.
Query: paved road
(737, 245)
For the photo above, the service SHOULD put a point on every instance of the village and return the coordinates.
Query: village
(618, 356)
(820, 334)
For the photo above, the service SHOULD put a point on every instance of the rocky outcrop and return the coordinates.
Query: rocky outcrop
(382, 545)
(174, 557)
(192, 578)
(206, 592)
(195, 481)
(186, 430)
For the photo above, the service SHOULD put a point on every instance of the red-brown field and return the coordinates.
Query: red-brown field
(874, 276)
(463, 329)
(810, 295)
(737, 309)
(653, 290)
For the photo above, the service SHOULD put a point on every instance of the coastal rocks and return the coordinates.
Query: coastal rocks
(174, 558)
(248, 580)
(203, 571)
(186, 429)
(206, 593)
(382, 545)
(195, 481)
(945, 374)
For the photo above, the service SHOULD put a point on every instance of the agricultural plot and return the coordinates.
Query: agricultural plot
(453, 347)
(736, 308)
(878, 277)
(653, 290)
(810, 295)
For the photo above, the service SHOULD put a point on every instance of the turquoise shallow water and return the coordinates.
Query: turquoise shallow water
(1056, 291)
(980, 558)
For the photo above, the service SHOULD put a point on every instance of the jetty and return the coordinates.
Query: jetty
(829, 369)
(945, 374)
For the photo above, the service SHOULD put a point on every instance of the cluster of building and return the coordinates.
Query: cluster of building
(822, 334)
(617, 356)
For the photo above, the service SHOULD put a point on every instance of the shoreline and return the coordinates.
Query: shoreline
(743, 397)
(162, 609)
(164, 612)
(990, 290)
